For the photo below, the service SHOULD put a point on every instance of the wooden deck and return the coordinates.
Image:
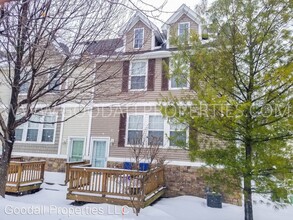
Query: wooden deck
(116, 186)
(25, 176)
(68, 165)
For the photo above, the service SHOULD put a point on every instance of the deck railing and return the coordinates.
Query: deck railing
(25, 176)
(116, 186)
(68, 165)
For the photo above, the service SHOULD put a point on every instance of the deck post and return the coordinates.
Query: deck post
(19, 174)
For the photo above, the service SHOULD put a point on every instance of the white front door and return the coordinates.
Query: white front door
(100, 152)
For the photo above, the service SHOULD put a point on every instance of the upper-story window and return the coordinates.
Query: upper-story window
(138, 38)
(54, 84)
(179, 71)
(25, 79)
(183, 30)
(138, 75)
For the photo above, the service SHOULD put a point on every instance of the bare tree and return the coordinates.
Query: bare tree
(48, 52)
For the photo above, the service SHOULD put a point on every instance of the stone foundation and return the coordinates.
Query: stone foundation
(188, 180)
(52, 164)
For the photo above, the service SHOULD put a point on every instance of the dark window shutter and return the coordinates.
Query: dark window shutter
(151, 74)
(125, 76)
(165, 72)
(122, 130)
(193, 137)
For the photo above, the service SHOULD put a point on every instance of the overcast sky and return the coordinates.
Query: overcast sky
(171, 6)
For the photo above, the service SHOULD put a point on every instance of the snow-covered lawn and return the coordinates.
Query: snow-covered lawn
(50, 204)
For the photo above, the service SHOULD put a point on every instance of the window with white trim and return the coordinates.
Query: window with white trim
(138, 38)
(154, 129)
(135, 130)
(177, 134)
(183, 31)
(138, 75)
(179, 71)
(54, 80)
(25, 79)
(40, 129)
(19, 132)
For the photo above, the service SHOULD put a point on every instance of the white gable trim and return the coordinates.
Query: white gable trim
(181, 11)
(138, 17)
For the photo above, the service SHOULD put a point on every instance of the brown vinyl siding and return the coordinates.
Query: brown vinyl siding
(111, 90)
(147, 45)
(106, 123)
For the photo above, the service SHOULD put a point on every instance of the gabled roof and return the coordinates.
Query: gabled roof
(182, 10)
(105, 47)
(139, 16)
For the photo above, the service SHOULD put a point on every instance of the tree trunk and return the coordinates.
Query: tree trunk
(4, 164)
(248, 211)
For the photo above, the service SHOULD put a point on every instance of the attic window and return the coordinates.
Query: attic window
(183, 30)
(138, 38)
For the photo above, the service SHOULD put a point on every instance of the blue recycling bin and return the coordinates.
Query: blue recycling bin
(143, 166)
(127, 165)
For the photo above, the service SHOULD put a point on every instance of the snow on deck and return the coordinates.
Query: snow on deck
(50, 204)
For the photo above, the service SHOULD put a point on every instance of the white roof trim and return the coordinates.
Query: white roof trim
(182, 10)
(138, 16)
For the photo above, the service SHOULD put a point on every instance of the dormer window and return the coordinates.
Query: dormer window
(183, 30)
(138, 38)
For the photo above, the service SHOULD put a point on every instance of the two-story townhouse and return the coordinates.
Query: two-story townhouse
(124, 112)
(132, 116)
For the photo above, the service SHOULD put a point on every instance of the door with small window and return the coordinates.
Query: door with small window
(100, 152)
(76, 149)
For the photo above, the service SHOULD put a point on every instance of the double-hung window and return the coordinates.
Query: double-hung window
(138, 38)
(25, 80)
(156, 130)
(33, 128)
(48, 128)
(135, 130)
(177, 134)
(183, 31)
(138, 75)
(40, 129)
(179, 71)
(19, 131)
(54, 80)
(153, 129)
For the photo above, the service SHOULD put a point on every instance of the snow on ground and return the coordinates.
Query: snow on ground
(50, 204)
